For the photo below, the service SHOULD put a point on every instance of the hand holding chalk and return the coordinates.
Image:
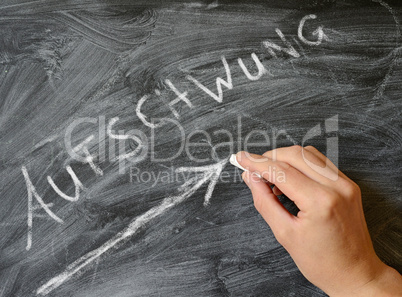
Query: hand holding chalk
(328, 239)
(233, 161)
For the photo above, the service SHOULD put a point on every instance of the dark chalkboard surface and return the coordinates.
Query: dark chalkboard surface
(118, 119)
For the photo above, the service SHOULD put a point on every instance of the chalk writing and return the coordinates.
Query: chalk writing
(78, 186)
(188, 188)
(228, 82)
(208, 173)
(181, 97)
(219, 82)
(290, 50)
(319, 32)
(124, 137)
(260, 67)
(33, 193)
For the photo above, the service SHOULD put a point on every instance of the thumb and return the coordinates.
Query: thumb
(268, 205)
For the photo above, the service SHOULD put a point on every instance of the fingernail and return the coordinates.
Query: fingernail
(233, 161)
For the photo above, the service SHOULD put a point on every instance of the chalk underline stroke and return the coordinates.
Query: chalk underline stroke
(203, 174)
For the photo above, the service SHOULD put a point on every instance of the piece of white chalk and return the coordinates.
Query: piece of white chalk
(233, 161)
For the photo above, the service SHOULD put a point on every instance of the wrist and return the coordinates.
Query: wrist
(386, 283)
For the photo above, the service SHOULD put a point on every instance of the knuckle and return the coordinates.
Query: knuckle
(331, 201)
(328, 201)
(296, 149)
(349, 188)
(295, 153)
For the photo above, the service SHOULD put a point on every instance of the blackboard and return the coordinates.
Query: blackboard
(118, 119)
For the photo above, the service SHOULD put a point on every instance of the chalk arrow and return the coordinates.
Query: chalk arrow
(203, 174)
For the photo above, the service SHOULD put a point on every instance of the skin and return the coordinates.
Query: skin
(328, 239)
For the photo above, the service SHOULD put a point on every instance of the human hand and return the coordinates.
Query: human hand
(328, 239)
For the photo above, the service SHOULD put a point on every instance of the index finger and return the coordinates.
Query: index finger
(309, 161)
(293, 183)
